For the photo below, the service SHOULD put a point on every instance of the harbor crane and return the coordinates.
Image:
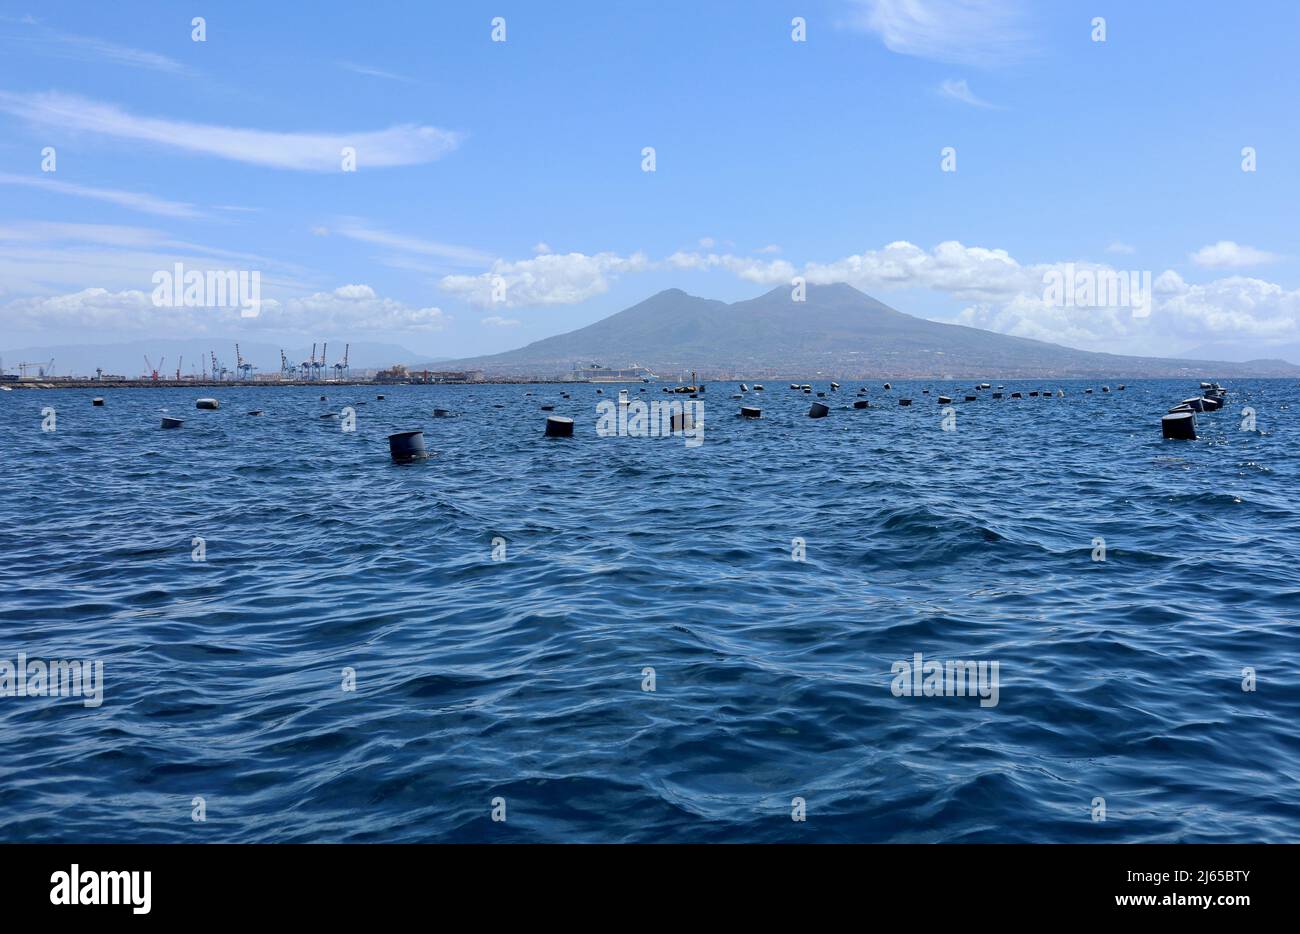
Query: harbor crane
(179, 360)
(150, 370)
(341, 370)
(286, 368)
(309, 368)
(42, 369)
(242, 365)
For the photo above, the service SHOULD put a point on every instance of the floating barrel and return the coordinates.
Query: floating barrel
(1206, 386)
(972, 398)
(861, 404)
(1120, 387)
(1196, 404)
(1105, 389)
(737, 396)
(322, 398)
(985, 386)
(255, 412)
(97, 401)
(1034, 394)
(758, 387)
(943, 400)
(807, 391)
(821, 395)
(749, 411)
(441, 413)
(548, 408)
(818, 410)
(682, 421)
(1179, 426)
(794, 385)
(1087, 392)
(211, 403)
(835, 385)
(169, 422)
(1181, 408)
(557, 426)
(925, 392)
(904, 401)
(1016, 395)
(887, 386)
(744, 388)
(407, 446)
(996, 395)
(379, 397)
(1211, 404)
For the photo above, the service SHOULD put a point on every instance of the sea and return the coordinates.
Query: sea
(1019, 620)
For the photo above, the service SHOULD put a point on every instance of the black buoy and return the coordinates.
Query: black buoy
(1181, 408)
(322, 398)
(904, 401)
(1196, 404)
(887, 386)
(255, 412)
(1120, 387)
(1179, 426)
(925, 392)
(1211, 403)
(98, 400)
(548, 408)
(744, 388)
(1016, 395)
(1033, 394)
(682, 421)
(861, 404)
(600, 392)
(1105, 389)
(211, 404)
(818, 410)
(557, 426)
(407, 446)
(821, 395)
(441, 413)
(972, 398)
(835, 385)
(379, 397)
(169, 422)
(807, 392)
(749, 411)
(758, 387)
(943, 400)
(996, 395)
(1087, 392)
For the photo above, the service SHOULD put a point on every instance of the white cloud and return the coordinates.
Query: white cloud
(707, 242)
(542, 247)
(372, 72)
(1122, 248)
(406, 144)
(147, 204)
(496, 321)
(548, 279)
(770, 248)
(961, 32)
(351, 308)
(959, 90)
(89, 48)
(1229, 255)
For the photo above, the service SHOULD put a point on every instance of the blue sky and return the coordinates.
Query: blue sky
(521, 162)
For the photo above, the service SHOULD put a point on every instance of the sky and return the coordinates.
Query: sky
(501, 192)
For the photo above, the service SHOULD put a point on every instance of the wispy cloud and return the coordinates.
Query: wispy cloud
(407, 144)
(957, 89)
(372, 72)
(959, 32)
(547, 279)
(1119, 247)
(1228, 255)
(90, 48)
(136, 201)
(361, 231)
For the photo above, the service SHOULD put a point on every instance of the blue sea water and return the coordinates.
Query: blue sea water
(523, 679)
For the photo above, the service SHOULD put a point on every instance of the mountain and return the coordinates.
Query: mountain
(837, 331)
(127, 359)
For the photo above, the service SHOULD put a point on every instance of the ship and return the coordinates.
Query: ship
(603, 374)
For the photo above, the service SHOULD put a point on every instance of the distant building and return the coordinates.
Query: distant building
(398, 373)
(603, 374)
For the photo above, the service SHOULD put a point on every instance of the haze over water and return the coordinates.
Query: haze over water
(523, 678)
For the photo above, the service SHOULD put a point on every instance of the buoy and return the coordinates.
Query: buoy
(255, 412)
(329, 415)
(861, 404)
(379, 397)
(1060, 393)
(622, 397)
(600, 392)
(996, 395)
(972, 398)
(737, 396)
(821, 395)
(925, 392)
(169, 422)
(557, 426)
(1196, 404)
(1105, 389)
(441, 413)
(794, 385)
(1120, 387)
(548, 408)
(322, 398)
(758, 387)
(1179, 426)
(807, 391)
(1181, 408)
(744, 388)
(943, 400)
(985, 386)
(1087, 392)
(887, 386)
(97, 401)
(748, 411)
(1033, 394)
(835, 386)
(904, 401)
(206, 404)
(818, 410)
(1211, 403)
(407, 446)
(1016, 395)
(682, 421)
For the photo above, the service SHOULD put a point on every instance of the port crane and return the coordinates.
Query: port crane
(309, 368)
(323, 349)
(179, 360)
(341, 368)
(242, 365)
(286, 369)
(42, 369)
(150, 370)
